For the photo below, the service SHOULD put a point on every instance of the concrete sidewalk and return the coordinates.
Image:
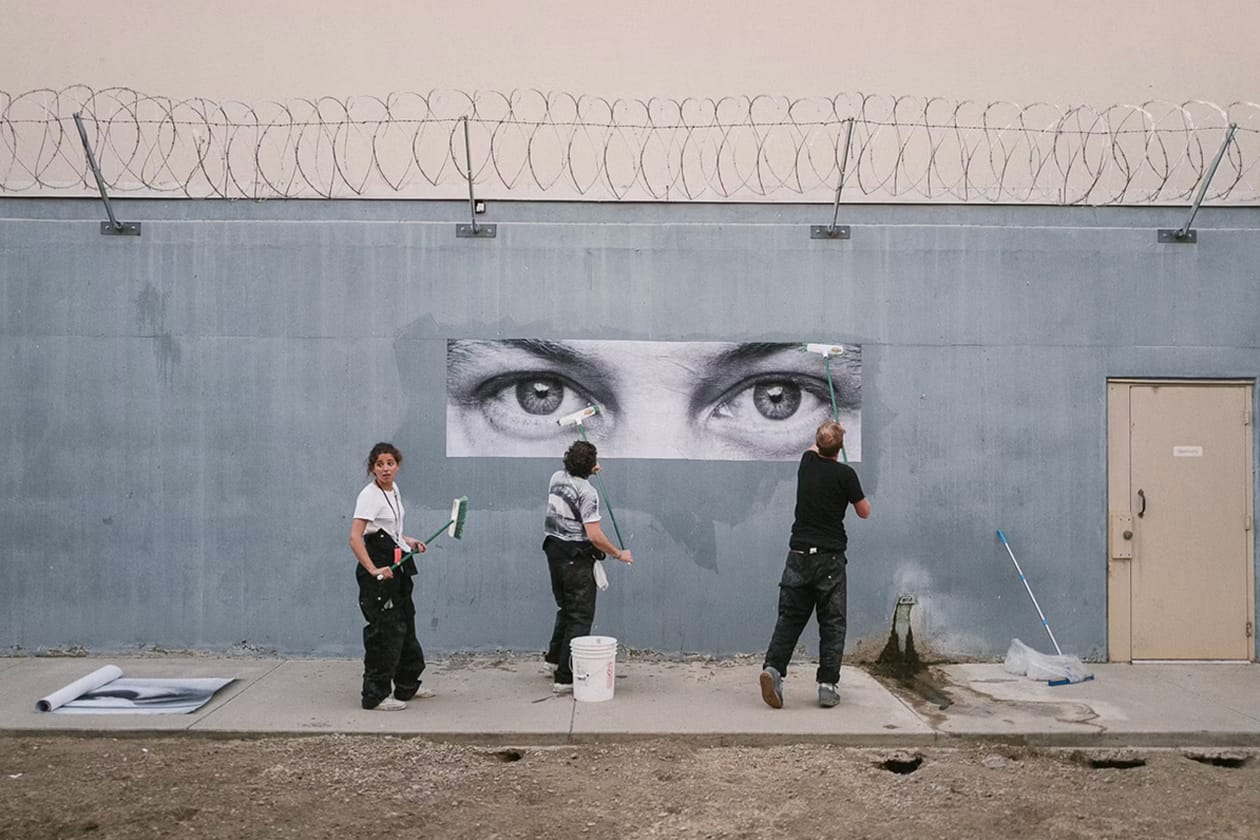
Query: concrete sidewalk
(509, 701)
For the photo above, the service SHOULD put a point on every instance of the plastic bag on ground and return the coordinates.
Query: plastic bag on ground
(1056, 670)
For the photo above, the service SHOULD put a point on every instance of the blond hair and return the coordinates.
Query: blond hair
(829, 439)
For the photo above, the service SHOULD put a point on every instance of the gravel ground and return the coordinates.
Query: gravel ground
(343, 786)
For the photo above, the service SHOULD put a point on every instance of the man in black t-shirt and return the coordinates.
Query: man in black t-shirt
(814, 575)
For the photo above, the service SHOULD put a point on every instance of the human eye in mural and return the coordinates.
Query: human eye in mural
(657, 399)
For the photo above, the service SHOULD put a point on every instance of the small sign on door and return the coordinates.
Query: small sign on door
(1187, 451)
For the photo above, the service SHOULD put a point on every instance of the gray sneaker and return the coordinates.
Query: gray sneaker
(772, 687)
(828, 696)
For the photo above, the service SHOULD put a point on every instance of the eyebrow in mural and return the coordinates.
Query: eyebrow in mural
(699, 400)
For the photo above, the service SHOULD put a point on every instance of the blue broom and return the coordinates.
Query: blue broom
(1046, 624)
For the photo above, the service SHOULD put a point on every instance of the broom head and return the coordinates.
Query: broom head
(459, 511)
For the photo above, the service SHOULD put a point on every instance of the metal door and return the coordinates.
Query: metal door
(1180, 500)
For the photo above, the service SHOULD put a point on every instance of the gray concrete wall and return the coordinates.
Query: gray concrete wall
(186, 414)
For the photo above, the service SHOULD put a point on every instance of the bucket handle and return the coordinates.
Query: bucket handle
(576, 676)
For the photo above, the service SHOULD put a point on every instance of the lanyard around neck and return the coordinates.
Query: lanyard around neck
(395, 510)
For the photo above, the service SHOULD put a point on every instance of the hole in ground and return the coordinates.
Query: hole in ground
(1231, 761)
(903, 765)
(1115, 763)
(1110, 760)
(508, 756)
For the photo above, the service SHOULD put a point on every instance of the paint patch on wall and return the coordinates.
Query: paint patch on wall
(691, 400)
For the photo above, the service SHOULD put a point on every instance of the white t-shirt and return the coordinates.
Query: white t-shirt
(566, 496)
(383, 511)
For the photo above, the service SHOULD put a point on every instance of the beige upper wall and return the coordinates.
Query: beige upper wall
(1096, 52)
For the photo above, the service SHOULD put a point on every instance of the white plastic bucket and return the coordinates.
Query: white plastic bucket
(594, 667)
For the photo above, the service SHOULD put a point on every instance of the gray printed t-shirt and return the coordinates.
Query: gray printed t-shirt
(566, 496)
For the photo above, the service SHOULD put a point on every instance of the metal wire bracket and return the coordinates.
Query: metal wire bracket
(828, 231)
(1184, 235)
(474, 230)
(834, 231)
(113, 227)
(1178, 237)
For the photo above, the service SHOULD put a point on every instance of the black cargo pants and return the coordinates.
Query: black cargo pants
(392, 657)
(573, 586)
(811, 582)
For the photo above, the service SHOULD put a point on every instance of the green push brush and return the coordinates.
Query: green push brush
(454, 527)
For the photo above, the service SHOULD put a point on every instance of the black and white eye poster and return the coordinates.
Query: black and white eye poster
(694, 400)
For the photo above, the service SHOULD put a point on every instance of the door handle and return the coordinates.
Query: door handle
(1142, 512)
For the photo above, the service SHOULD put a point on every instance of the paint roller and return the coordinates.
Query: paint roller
(576, 418)
(825, 350)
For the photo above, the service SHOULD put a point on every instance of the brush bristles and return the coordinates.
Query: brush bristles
(459, 511)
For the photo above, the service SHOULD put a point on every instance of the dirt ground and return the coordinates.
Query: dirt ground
(351, 787)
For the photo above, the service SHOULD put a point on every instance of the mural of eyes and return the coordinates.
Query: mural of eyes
(657, 399)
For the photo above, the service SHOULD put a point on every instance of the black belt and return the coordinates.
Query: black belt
(814, 550)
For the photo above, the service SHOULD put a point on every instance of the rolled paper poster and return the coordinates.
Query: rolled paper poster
(101, 676)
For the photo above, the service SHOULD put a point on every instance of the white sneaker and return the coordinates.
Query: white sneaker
(562, 688)
(389, 704)
(424, 694)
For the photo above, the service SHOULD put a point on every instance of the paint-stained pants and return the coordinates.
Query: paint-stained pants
(392, 657)
(811, 582)
(573, 586)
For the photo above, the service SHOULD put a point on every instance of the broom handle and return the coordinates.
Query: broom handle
(439, 531)
(1044, 623)
(402, 558)
(411, 554)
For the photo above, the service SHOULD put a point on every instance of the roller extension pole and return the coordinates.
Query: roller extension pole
(827, 351)
(603, 491)
(835, 412)
(575, 419)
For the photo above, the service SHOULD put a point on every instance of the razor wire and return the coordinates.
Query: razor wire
(531, 144)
